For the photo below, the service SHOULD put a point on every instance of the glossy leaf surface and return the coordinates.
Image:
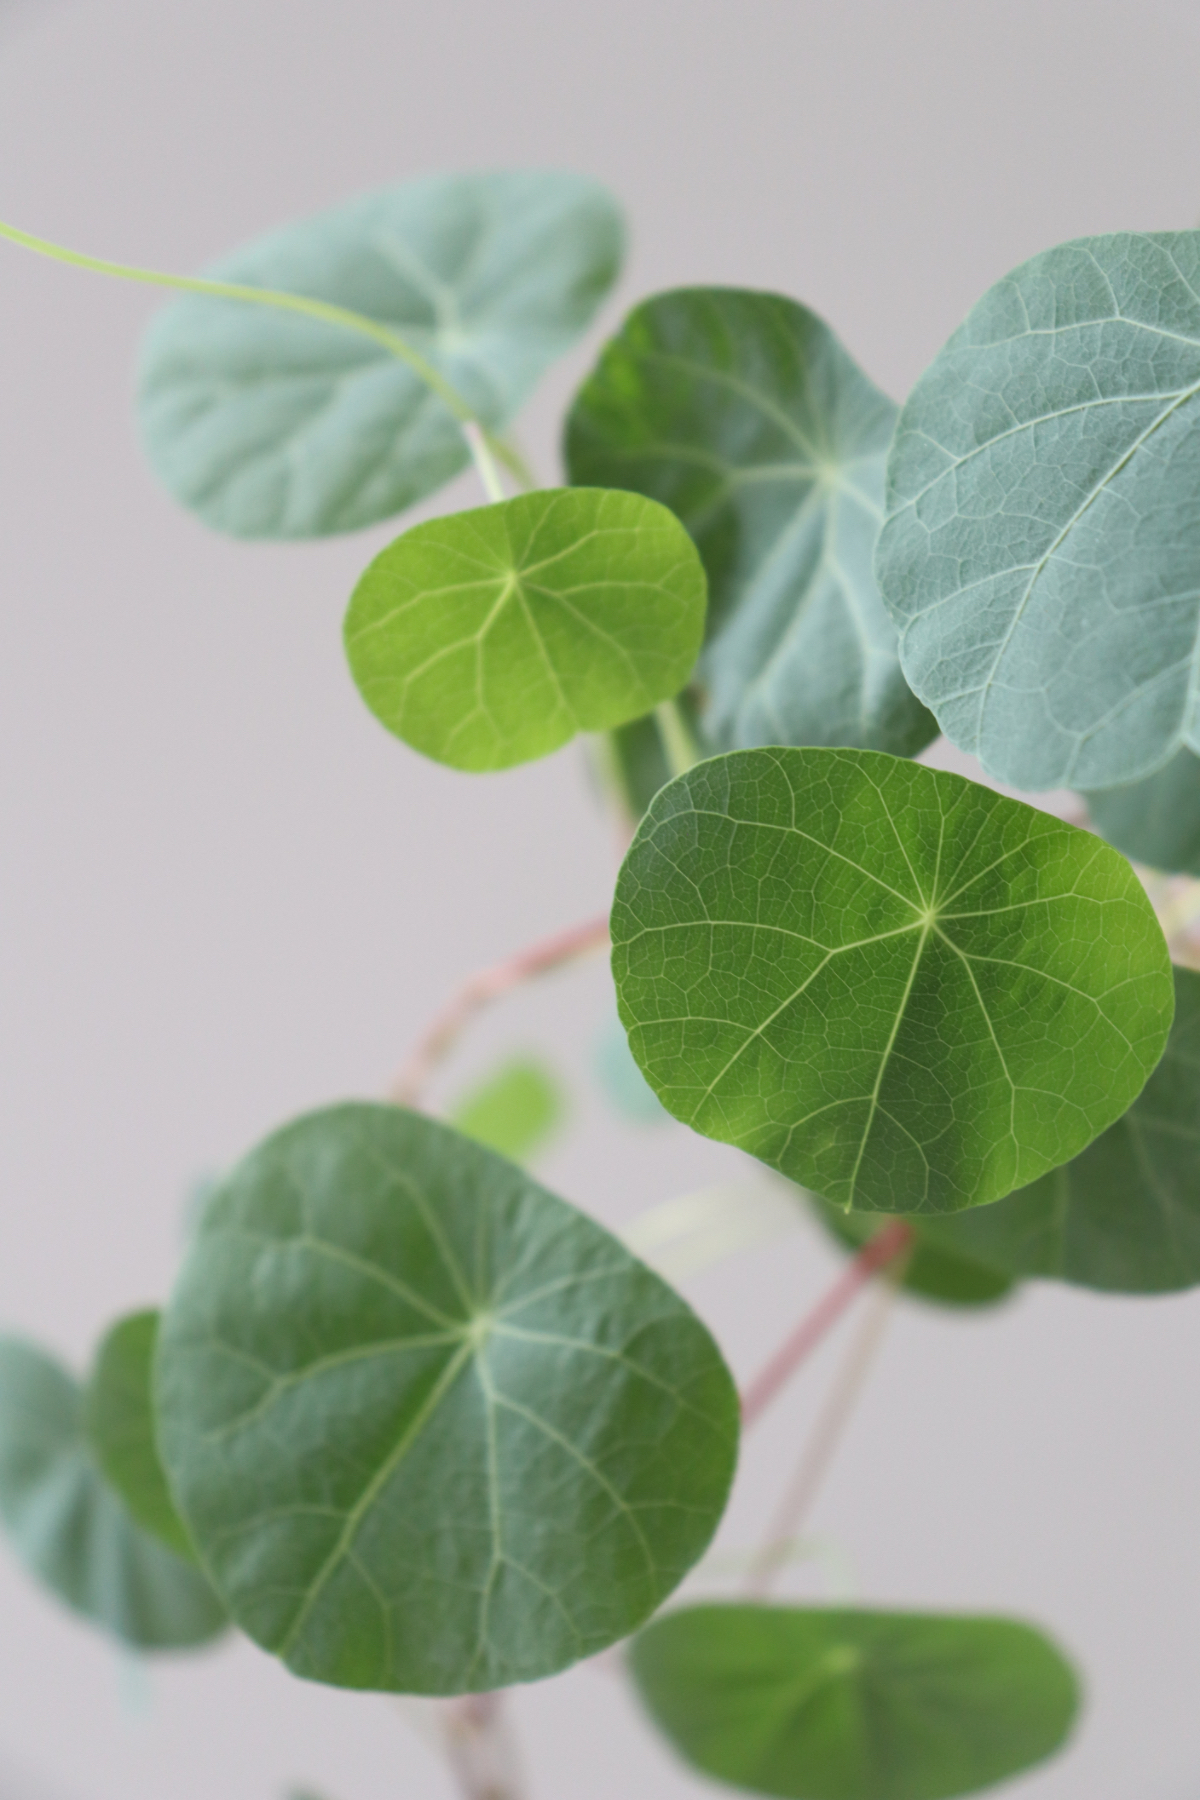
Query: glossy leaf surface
(1124, 1215)
(1042, 549)
(904, 991)
(822, 1704)
(515, 1111)
(271, 425)
(73, 1531)
(493, 636)
(119, 1418)
(744, 414)
(934, 1270)
(1156, 821)
(432, 1429)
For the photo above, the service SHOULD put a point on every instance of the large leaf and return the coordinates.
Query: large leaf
(493, 636)
(902, 990)
(432, 1429)
(822, 1704)
(272, 425)
(70, 1527)
(934, 1270)
(1156, 821)
(1124, 1215)
(119, 1419)
(515, 1110)
(744, 414)
(1042, 549)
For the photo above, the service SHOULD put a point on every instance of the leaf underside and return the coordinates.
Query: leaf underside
(1156, 821)
(934, 1270)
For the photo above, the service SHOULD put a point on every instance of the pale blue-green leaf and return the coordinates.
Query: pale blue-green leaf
(1156, 821)
(621, 1081)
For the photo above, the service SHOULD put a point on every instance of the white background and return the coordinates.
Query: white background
(226, 895)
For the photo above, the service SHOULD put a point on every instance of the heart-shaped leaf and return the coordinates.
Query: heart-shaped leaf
(933, 1270)
(1124, 1215)
(902, 990)
(744, 414)
(72, 1529)
(1042, 549)
(493, 636)
(119, 1418)
(276, 426)
(431, 1428)
(516, 1110)
(821, 1704)
(1156, 821)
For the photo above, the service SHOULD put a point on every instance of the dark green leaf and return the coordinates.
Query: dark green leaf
(432, 1429)
(744, 414)
(636, 763)
(491, 637)
(1124, 1215)
(902, 990)
(73, 1531)
(119, 1419)
(515, 1111)
(1042, 549)
(822, 1704)
(271, 425)
(933, 1270)
(1156, 821)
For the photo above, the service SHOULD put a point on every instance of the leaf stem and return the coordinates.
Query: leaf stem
(894, 1239)
(436, 1042)
(481, 455)
(679, 746)
(480, 1749)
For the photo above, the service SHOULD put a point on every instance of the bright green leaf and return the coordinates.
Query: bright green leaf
(119, 1420)
(273, 425)
(904, 991)
(515, 1111)
(1156, 821)
(73, 1531)
(743, 413)
(837, 1704)
(1124, 1215)
(432, 1429)
(493, 636)
(933, 1270)
(1042, 549)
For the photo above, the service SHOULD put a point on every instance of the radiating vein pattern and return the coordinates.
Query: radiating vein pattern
(905, 991)
(432, 1429)
(1041, 554)
(744, 414)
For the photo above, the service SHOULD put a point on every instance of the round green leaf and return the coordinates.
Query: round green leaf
(1124, 1215)
(1156, 821)
(516, 1110)
(431, 1428)
(744, 414)
(119, 1418)
(1042, 549)
(277, 426)
(906, 992)
(493, 636)
(73, 1531)
(821, 1704)
(933, 1270)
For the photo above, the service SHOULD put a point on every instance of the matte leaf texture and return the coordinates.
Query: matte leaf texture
(906, 992)
(1124, 1215)
(1042, 549)
(491, 637)
(634, 762)
(118, 1415)
(933, 1271)
(744, 414)
(73, 1531)
(1156, 821)
(433, 1430)
(271, 425)
(516, 1110)
(822, 1704)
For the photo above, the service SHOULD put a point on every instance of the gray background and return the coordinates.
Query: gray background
(226, 895)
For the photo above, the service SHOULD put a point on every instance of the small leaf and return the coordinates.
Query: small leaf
(933, 1271)
(1156, 821)
(1124, 1215)
(817, 1703)
(515, 1111)
(433, 1430)
(902, 990)
(622, 1082)
(491, 637)
(743, 413)
(272, 425)
(1042, 549)
(119, 1419)
(73, 1531)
